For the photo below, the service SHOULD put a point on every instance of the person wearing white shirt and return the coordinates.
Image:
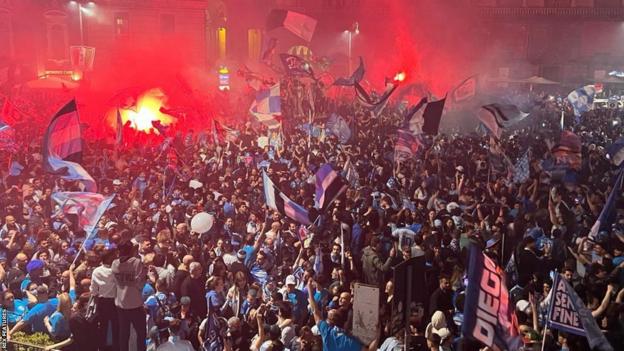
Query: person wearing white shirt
(104, 289)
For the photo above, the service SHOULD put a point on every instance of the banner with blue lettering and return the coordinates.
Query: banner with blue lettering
(488, 312)
(568, 313)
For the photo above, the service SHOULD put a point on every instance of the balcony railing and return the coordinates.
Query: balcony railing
(550, 12)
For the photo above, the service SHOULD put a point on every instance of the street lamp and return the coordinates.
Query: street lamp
(355, 30)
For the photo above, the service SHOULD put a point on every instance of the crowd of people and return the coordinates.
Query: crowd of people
(146, 280)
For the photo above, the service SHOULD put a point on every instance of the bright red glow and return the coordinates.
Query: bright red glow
(146, 110)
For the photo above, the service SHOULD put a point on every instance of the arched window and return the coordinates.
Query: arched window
(6, 35)
(56, 35)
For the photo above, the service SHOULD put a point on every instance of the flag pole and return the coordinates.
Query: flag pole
(92, 231)
(342, 250)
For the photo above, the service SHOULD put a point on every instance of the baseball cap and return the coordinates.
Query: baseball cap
(290, 280)
(241, 255)
(34, 265)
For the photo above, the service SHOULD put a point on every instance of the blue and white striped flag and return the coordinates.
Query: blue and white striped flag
(278, 201)
(329, 186)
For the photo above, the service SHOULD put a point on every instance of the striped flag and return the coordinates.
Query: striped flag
(377, 106)
(267, 106)
(568, 151)
(62, 147)
(607, 215)
(89, 207)
(329, 186)
(496, 117)
(278, 201)
(407, 145)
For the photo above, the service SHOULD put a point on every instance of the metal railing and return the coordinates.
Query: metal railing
(569, 12)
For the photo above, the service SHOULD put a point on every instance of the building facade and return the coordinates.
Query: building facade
(38, 34)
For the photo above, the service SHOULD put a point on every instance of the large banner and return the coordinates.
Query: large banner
(411, 270)
(365, 312)
(488, 314)
(568, 313)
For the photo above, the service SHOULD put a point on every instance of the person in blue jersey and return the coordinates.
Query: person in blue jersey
(16, 308)
(57, 324)
(332, 331)
(35, 316)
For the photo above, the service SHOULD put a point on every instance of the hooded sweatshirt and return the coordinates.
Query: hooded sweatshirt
(130, 276)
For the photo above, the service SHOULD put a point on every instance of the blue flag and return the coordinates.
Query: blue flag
(582, 99)
(607, 215)
(488, 310)
(568, 313)
(339, 127)
(15, 169)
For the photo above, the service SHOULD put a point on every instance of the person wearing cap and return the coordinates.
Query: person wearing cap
(34, 318)
(296, 297)
(35, 270)
(130, 276)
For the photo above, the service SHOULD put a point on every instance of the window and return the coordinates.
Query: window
(56, 36)
(167, 23)
(121, 24)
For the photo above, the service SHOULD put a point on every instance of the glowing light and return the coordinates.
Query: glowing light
(76, 76)
(399, 77)
(615, 122)
(146, 110)
(224, 78)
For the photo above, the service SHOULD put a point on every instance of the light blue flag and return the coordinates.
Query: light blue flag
(339, 127)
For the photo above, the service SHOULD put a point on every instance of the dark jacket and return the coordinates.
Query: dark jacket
(373, 268)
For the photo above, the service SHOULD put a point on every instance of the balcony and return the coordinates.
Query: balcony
(564, 9)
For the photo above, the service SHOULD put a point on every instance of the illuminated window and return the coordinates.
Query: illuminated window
(167, 23)
(254, 43)
(121, 24)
